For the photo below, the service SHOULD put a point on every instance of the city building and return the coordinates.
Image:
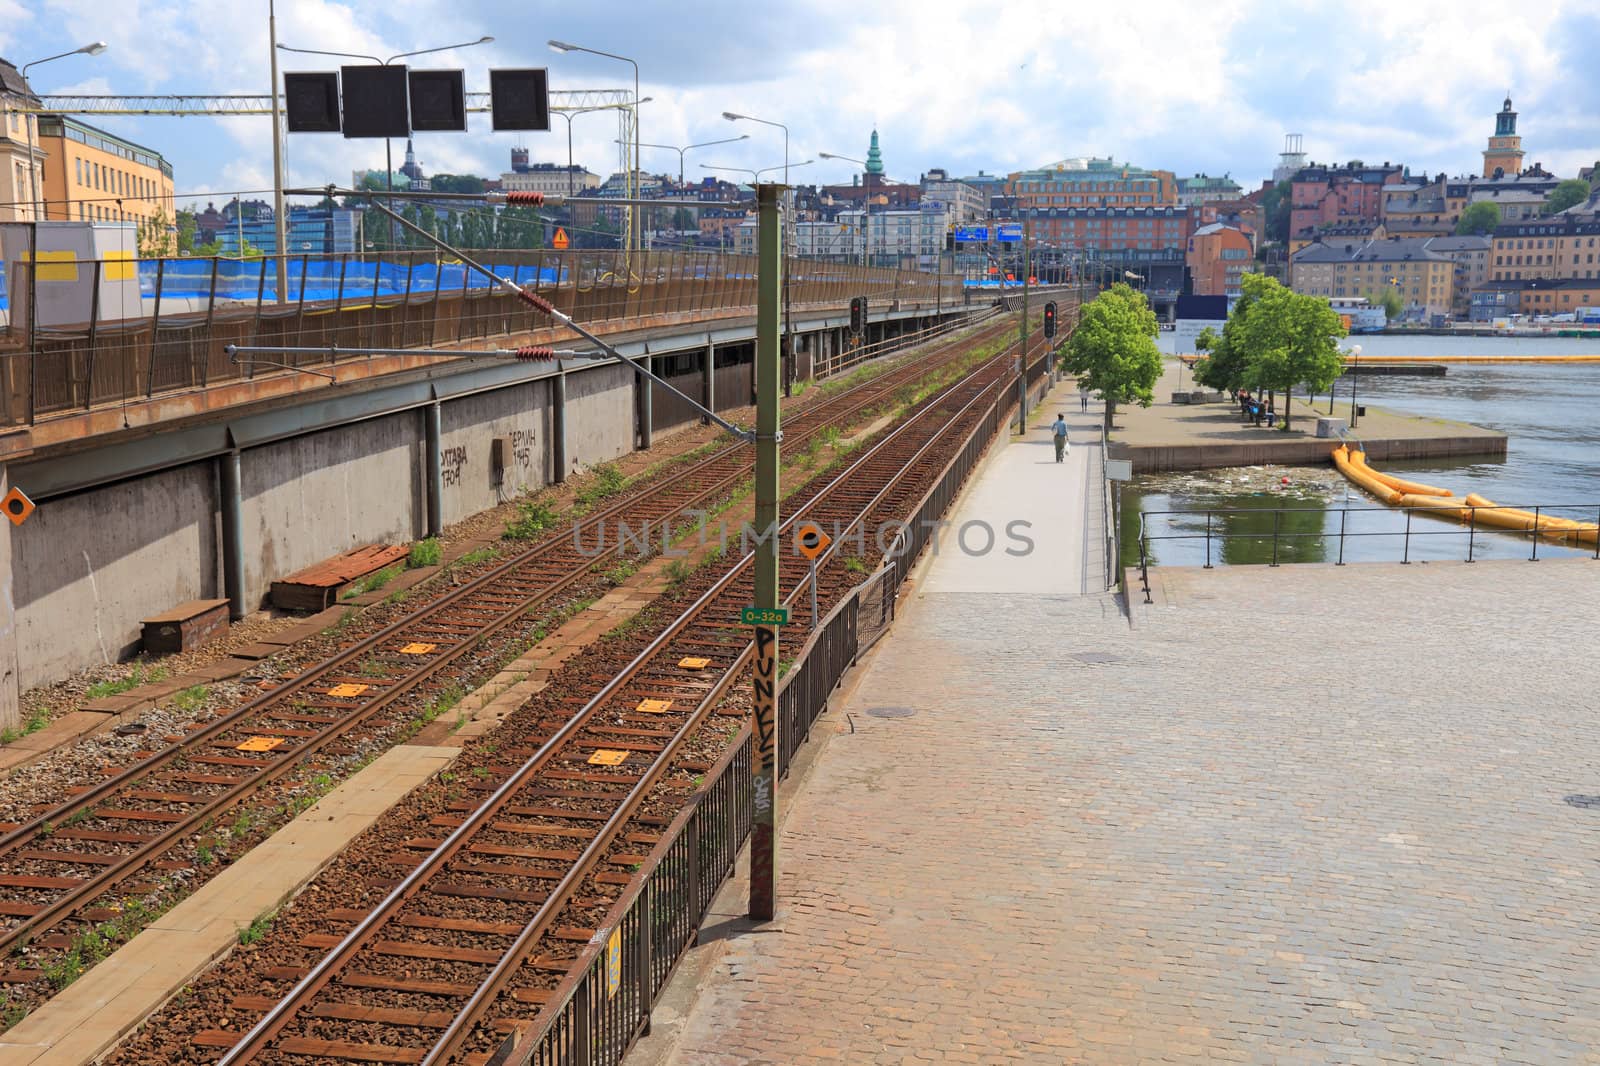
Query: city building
(989, 186)
(1203, 188)
(1124, 234)
(1218, 257)
(309, 231)
(413, 170)
(1561, 246)
(1424, 279)
(1423, 208)
(1337, 196)
(1504, 154)
(20, 182)
(1471, 258)
(549, 178)
(967, 203)
(94, 176)
(1534, 296)
(718, 225)
(1091, 183)
(1244, 214)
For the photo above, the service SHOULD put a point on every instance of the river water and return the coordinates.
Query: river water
(1550, 414)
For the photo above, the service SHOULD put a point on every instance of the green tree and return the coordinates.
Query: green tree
(1287, 339)
(1276, 203)
(468, 183)
(1389, 299)
(1478, 220)
(1227, 355)
(155, 236)
(249, 251)
(1113, 349)
(1569, 193)
(187, 225)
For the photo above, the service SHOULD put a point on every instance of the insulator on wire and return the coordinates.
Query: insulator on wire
(534, 351)
(537, 301)
(528, 197)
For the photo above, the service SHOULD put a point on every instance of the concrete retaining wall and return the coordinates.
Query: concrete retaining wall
(1158, 458)
(468, 426)
(314, 496)
(88, 567)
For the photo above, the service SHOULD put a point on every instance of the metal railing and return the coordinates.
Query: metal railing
(1284, 533)
(108, 331)
(604, 1003)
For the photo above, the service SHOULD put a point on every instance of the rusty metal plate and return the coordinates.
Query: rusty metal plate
(891, 712)
(349, 688)
(604, 757)
(418, 648)
(694, 662)
(259, 744)
(654, 706)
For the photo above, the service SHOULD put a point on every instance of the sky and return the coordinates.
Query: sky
(996, 86)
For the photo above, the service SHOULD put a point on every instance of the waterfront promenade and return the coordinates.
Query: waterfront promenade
(1170, 436)
(1303, 814)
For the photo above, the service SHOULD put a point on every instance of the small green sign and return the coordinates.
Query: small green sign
(764, 616)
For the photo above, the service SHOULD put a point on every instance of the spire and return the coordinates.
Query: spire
(874, 156)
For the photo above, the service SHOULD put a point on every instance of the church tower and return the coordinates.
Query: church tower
(1503, 157)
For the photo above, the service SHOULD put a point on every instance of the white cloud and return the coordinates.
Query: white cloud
(999, 85)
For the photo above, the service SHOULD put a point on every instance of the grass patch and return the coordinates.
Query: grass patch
(533, 518)
(97, 942)
(191, 699)
(476, 556)
(374, 581)
(136, 677)
(678, 571)
(608, 481)
(424, 553)
(257, 930)
(855, 565)
(34, 722)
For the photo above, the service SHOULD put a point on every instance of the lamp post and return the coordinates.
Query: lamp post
(388, 157)
(35, 200)
(688, 147)
(631, 179)
(788, 338)
(866, 203)
(1355, 373)
(570, 114)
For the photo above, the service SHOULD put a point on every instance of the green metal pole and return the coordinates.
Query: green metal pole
(1022, 352)
(764, 713)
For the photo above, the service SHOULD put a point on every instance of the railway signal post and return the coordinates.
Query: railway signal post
(764, 713)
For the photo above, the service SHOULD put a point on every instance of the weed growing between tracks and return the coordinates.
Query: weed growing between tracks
(35, 722)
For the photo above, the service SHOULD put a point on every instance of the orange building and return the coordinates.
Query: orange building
(1217, 259)
(94, 176)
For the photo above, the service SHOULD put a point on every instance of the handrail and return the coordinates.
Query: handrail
(1471, 529)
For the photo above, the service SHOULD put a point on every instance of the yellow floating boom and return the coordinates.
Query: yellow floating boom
(1472, 508)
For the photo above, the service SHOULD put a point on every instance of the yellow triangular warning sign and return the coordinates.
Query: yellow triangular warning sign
(560, 240)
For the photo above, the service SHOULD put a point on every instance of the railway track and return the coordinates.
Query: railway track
(57, 866)
(485, 910)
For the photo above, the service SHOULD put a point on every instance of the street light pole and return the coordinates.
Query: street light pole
(688, 147)
(280, 227)
(1355, 375)
(788, 223)
(35, 199)
(630, 180)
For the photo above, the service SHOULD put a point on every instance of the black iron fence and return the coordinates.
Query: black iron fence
(603, 1005)
(1276, 535)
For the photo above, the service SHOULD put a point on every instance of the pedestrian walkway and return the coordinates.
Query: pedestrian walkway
(1303, 814)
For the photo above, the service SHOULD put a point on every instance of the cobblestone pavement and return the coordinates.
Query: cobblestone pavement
(1305, 814)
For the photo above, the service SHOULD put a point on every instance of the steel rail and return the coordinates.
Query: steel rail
(28, 832)
(269, 1026)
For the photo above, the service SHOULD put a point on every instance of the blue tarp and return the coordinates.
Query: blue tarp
(317, 279)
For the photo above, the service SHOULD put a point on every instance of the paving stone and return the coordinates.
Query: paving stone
(1338, 826)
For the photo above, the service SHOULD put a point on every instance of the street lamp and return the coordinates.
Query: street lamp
(687, 147)
(866, 203)
(631, 180)
(35, 201)
(755, 175)
(570, 114)
(1355, 372)
(388, 157)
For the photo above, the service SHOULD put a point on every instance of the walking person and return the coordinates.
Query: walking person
(1059, 431)
(1083, 400)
